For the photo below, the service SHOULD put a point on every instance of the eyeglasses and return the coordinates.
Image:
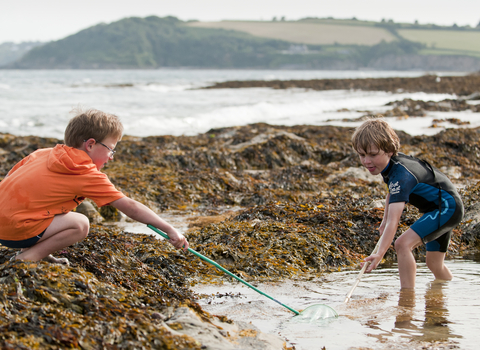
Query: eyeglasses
(112, 151)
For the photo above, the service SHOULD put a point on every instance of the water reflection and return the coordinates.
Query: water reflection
(434, 325)
(406, 311)
(437, 315)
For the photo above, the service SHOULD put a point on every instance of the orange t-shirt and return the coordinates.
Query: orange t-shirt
(46, 183)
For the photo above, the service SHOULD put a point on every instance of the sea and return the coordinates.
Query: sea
(172, 101)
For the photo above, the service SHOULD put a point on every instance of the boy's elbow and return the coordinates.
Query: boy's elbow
(132, 208)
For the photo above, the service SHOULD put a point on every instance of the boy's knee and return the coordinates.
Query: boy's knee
(407, 241)
(82, 225)
(399, 244)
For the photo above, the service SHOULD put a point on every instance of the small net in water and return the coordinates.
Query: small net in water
(317, 312)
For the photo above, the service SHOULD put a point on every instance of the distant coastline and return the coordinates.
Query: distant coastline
(153, 42)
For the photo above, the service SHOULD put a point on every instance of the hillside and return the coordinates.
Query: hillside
(153, 42)
(10, 52)
(439, 40)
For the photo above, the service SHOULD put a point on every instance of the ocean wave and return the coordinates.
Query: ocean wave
(168, 102)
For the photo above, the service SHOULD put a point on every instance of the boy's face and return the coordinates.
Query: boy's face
(374, 159)
(101, 152)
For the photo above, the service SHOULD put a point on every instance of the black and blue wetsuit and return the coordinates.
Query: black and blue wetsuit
(414, 181)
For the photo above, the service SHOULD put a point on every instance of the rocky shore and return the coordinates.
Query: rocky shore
(458, 85)
(266, 202)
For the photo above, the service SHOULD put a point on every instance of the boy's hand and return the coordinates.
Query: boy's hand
(178, 240)
(374, 260)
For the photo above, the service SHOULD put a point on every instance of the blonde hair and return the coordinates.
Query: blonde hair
(376, 131)
(91, 123)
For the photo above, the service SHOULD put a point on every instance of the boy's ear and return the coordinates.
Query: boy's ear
(89, 143)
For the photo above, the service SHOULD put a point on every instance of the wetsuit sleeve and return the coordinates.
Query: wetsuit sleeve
(400, 186)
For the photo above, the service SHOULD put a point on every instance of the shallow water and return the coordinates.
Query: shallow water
(437, 315)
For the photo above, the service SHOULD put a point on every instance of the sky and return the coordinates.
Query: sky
(46, 20)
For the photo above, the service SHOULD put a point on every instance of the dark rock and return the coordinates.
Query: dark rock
(458, 85)
(90, 211)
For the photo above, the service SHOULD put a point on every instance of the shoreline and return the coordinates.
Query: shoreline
(459, 85)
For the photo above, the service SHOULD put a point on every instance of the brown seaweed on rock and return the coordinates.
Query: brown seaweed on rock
(418, 108)
(122, 291)
(252, 164)
(44, 306)
(298, 240)
(459, 85)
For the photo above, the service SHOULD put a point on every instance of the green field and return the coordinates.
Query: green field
(440, 41)
(307, 32)
(445, 41)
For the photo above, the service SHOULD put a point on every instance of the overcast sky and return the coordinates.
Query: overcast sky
(45, 20)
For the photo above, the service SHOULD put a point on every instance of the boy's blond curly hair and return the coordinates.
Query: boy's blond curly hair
(91, 123)
(376, 131)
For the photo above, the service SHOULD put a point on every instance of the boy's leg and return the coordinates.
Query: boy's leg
(407, 266)
(65, 230)
(436, 263)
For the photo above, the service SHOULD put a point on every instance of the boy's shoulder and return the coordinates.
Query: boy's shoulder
(420, 169)
(410, 162)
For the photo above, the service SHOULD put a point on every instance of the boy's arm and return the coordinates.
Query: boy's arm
(394, 212)
(385, 215)
(143, 214)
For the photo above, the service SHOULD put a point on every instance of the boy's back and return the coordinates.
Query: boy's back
(413, 181)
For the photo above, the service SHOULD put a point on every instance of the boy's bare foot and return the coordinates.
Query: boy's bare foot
(55, 260)
(14, 257)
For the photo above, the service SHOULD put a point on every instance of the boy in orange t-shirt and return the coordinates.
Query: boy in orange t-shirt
(40, 192)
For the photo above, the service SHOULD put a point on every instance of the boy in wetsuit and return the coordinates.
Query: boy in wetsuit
(40, 192)
(409, 180)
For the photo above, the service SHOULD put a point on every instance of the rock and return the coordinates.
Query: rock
(459, 85)
(474, 96)
(453, 172)
(262, 138)
(158, 316)
(471, 229)
(351, 174)
(377, 204)
(88, 209)
(222, 334)
(110, 213)
(418, 108)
